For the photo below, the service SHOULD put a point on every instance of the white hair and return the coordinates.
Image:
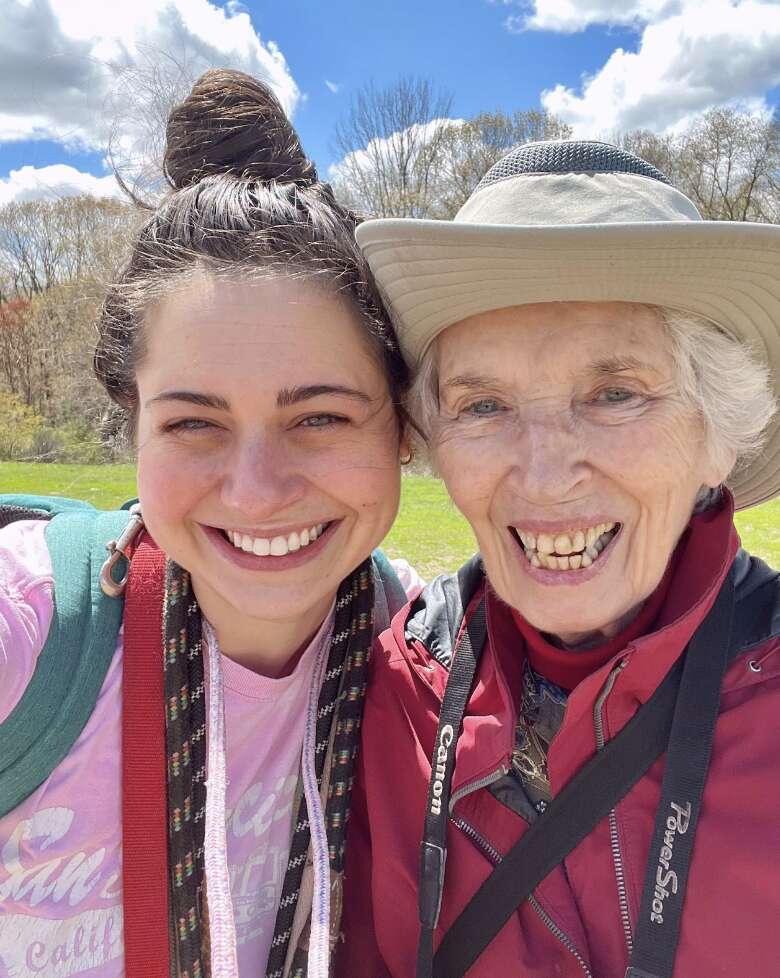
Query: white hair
(719, 378)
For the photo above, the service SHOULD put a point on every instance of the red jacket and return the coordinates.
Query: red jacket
(581, 917)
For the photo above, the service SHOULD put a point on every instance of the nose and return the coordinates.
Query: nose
(551, 462)
(262, 479)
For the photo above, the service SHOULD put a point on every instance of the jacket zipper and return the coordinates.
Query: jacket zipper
(495, 857)
(617, 856)
(482, 782)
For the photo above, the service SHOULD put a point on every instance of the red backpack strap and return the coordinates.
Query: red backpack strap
(144, 783)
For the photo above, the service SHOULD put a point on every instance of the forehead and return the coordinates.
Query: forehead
(269, 331)
(575, 334)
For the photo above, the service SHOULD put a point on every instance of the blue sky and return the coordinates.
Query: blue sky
(601, 65)
(463, 47)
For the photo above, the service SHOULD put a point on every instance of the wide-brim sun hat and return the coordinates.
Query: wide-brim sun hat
(585, 221)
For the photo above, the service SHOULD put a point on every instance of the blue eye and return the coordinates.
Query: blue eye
(485, 407)
(189, 424)
(614, 395)
(321, 421)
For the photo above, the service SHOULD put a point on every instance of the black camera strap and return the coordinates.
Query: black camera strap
(433, 849)
(679, 718)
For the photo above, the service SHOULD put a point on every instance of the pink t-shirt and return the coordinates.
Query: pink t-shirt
(61, 849)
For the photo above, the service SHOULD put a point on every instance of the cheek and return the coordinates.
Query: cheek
(372, 489)
(170, 482)
(655, 459)
(472, 470)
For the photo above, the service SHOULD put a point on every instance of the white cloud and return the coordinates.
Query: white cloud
(333, 87)
(67, 66)
(709, 53)
(405, 142)
(570, 16)
(53, 182)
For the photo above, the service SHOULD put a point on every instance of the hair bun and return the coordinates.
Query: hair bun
(233, 123)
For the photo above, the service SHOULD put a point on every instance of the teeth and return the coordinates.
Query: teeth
(277, 546)
(563, 544)
(545, 543)
(566, 551)
(262, 547)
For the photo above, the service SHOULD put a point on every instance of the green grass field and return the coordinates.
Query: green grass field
(429, 531)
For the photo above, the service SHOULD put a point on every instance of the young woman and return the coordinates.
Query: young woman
(261, 382)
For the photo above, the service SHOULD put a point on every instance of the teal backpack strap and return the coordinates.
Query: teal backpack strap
(73, 663)
(389, 594)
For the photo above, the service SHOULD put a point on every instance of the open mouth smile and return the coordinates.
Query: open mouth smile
(276, 546)
(569, 550)
(289, 547)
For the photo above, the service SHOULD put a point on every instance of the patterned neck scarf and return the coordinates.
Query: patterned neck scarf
(340, 703)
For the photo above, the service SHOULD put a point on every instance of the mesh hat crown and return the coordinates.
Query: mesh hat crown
(589, 222)
(568, 157)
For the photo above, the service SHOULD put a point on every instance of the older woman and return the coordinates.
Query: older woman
(594, 377)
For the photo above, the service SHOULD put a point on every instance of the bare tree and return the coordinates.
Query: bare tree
(17, 352)
(726, 161)
(56, 257)
(389, 146)
(734, 166)
(467, 150)
(47, 242)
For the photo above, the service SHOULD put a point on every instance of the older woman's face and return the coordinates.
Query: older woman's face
(564, 442)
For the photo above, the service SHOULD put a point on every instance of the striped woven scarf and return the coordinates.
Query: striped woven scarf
(340, 702)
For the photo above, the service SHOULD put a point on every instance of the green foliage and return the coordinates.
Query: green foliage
(19, 427)
(429, 532)
(71, 442)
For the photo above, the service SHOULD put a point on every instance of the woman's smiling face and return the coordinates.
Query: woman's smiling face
(267, 445)
(563, 440)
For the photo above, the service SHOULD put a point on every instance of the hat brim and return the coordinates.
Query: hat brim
(436, 273)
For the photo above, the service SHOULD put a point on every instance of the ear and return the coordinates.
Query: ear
(405, 449)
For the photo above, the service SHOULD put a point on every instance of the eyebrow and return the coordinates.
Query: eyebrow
(609, 366)
(618, 364)
(192, 397)
(470, 381)
(294, 395)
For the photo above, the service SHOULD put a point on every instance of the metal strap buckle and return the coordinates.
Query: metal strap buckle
(117, 550)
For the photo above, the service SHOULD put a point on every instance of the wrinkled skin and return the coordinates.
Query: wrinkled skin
(259, 464)
(567, 414)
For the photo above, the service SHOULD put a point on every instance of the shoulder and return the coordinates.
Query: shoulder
(26, 606)
(435, 616)
(426, 627)
(757, 602)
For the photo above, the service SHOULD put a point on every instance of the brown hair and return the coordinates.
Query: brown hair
(244, 199)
